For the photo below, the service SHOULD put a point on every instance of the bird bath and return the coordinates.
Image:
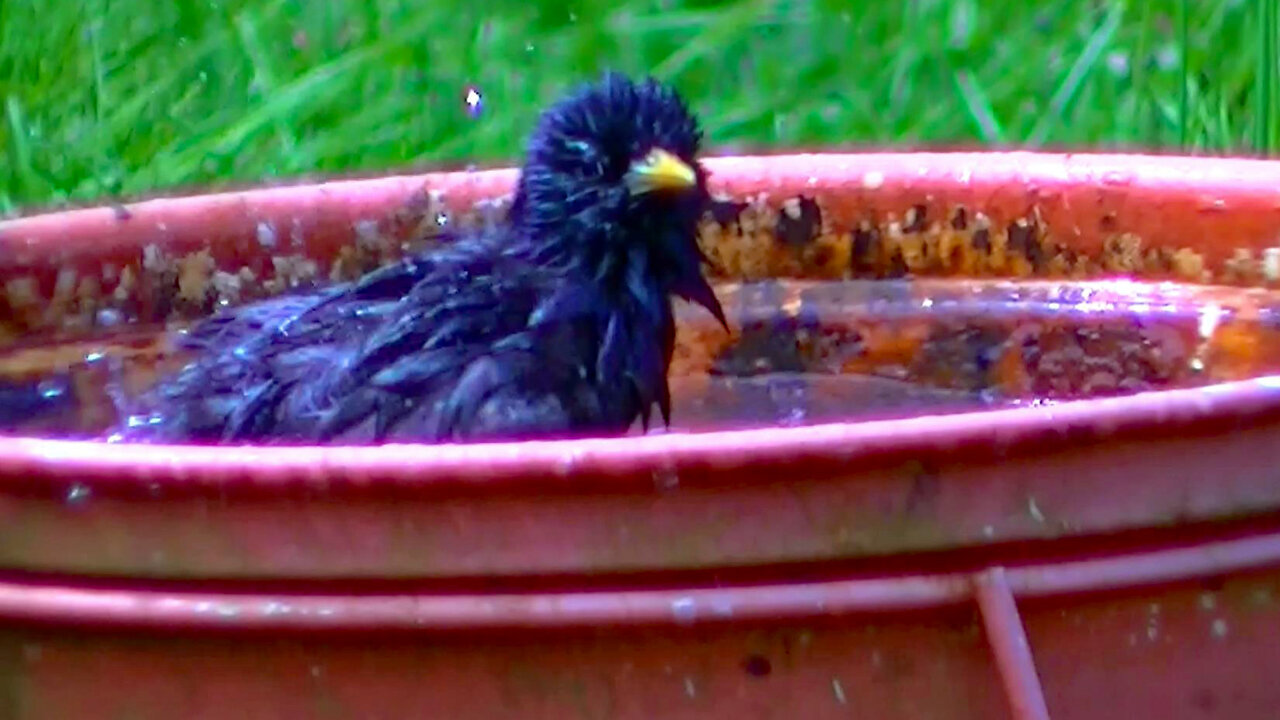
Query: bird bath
(975, 409)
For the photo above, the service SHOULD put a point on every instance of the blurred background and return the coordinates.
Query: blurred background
(119, 98)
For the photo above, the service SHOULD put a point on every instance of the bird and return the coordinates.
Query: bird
(557, 323)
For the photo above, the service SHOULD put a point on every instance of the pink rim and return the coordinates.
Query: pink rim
(562, 463)
(686, 606)
(1187, 191)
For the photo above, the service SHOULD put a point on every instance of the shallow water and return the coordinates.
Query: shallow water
(804, 353)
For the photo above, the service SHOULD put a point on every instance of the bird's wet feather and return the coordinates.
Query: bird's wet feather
(556, 323)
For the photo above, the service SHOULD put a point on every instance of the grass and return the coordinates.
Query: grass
(123, 97)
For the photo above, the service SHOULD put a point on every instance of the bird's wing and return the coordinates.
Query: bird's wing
(511, 353)
(581, 366)
(252, 359)
(443, 347)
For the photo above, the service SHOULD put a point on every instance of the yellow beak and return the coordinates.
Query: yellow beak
(660, 170)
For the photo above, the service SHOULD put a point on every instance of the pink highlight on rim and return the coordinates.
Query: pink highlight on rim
(193, 609)
(494, 465)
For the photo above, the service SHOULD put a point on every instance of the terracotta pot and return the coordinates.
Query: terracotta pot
(1013, 376)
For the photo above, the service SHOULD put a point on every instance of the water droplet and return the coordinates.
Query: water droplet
(52, 389)
(666, 479)
(137, 421)
(722, 608)
(1034, 510)
(1210, 316)
(109, 317)
(1118, 63)
(78, 494)
(473, 100)
(791, 402)
(275, 608)
(266, 235)
(1271, 263)
(684, 610)
(1116, 178)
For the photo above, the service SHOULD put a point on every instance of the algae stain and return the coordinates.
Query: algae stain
(15, 691)
(864, 532)
(529, 686)
(638, 542)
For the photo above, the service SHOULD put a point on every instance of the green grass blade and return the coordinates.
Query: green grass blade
(1265, 83)
(978, 104)
(1084, 66)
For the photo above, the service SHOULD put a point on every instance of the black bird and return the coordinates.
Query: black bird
(557, 324)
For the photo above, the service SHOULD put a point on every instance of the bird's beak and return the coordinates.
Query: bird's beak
(660, 170)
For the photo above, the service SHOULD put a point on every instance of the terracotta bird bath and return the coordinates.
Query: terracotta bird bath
(994, 435)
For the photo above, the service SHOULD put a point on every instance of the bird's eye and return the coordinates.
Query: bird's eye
(581, 147)
(586, 158)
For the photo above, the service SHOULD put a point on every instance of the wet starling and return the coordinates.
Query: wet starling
(558, 323)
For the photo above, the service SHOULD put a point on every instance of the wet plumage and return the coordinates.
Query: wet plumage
(558, 323)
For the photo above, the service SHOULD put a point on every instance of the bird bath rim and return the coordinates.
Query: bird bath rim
(106, 517)
(620, 463)
(1081, 202)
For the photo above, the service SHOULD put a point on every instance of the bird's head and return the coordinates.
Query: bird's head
(611, 182)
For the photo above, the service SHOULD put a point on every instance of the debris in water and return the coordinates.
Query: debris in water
(78, 494)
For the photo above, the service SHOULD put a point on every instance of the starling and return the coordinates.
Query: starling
(557, 323)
